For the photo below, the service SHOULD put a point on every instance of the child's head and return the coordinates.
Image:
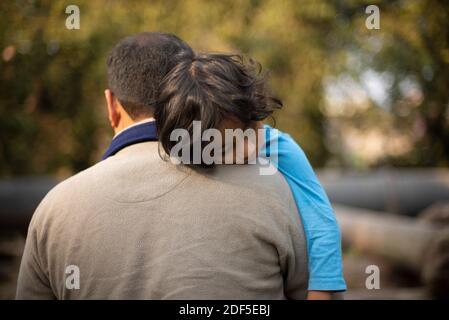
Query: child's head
(221, 91)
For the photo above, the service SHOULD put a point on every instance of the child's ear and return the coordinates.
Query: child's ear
(258, 125)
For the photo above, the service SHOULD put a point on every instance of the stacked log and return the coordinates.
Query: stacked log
(420, 246)
(400, 191)
(19, 198)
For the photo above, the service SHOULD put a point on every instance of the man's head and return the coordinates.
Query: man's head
(135, 68)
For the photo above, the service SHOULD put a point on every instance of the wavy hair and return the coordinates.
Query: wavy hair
(210, 88)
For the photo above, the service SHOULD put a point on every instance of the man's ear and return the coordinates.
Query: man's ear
(113, 112)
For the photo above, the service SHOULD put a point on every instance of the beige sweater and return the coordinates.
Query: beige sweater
(137, 227)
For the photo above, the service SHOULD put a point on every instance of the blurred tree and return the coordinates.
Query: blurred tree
(411, 48)
(52, 79)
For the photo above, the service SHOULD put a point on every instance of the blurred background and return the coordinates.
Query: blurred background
(368, 106)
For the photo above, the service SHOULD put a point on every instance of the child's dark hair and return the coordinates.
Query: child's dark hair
(210, 88)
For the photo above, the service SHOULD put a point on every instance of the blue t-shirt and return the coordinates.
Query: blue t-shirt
(320, 225)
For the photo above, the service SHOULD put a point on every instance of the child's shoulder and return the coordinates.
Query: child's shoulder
(286, 143)
(291, 158)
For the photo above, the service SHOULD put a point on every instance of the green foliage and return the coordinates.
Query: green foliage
(52, 79)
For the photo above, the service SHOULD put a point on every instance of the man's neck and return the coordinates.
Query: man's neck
(133, 124)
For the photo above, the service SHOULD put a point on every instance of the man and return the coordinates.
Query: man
(136, 227)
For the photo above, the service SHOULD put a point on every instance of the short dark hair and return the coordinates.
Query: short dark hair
(137, 65)
(210, 88)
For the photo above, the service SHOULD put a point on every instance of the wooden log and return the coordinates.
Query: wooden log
(437, 213)
(19, 198)
(404, 241)
(401, 191)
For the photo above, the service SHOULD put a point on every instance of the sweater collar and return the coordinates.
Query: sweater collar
(145, 131)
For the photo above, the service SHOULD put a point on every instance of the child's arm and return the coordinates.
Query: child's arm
(317, 216)
(319, 295)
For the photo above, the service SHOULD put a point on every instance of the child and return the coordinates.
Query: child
(225, 93)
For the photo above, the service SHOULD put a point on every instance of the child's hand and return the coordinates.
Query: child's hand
(319, 295)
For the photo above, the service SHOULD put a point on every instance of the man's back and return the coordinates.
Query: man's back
(141, 228)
